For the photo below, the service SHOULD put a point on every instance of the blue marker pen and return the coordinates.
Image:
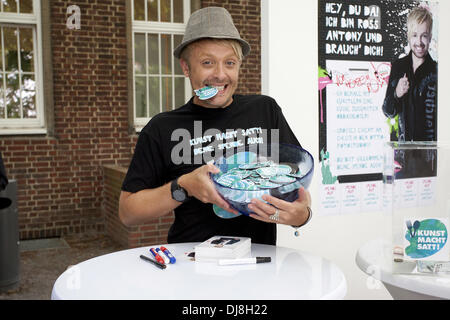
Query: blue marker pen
(168, 254)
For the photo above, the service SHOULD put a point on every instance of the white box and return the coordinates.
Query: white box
(223, 247)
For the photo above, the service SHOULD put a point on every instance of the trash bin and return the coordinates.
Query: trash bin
(9, 238)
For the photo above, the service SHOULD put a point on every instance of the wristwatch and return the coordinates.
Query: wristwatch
(178, 193)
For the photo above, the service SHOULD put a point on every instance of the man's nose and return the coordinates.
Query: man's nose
(422, 41)
(219, 71)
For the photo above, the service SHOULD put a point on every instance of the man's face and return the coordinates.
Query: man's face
(216, 65)
(419, 40)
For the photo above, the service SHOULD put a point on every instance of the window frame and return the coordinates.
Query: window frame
(145, 27)
(37, 125)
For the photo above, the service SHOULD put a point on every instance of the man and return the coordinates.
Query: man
(157, 182)
(412, 87)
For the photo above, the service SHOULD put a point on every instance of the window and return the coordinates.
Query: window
(158, 81)
(21, 99)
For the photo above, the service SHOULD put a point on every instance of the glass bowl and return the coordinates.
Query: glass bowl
(247, 175)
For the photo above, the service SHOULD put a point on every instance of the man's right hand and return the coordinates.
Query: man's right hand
(402, 86)
(198, 184)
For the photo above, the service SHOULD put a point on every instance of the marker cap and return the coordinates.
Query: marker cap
(263, 259)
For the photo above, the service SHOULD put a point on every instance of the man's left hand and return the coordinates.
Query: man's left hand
(290, 213)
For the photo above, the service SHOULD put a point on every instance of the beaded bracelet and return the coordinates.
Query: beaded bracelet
(296, 233)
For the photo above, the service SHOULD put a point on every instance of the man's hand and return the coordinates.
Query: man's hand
(290, 213)
(402, 86)
(198, 184)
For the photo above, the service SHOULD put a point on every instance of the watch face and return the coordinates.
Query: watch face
(179, 195)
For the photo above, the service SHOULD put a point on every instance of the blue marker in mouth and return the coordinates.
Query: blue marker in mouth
(206, 93)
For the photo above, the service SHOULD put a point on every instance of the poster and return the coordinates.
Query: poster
(360, 47)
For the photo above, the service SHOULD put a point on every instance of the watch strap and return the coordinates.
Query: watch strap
(174, 186)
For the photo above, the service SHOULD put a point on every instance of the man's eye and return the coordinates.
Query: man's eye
(207, 62)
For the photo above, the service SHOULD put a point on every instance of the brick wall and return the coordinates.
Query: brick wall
(60, 177)
(153, 232)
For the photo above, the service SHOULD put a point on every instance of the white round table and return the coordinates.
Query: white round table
(375, 259)
(123, 275)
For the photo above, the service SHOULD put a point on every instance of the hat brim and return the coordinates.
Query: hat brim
(244, 44)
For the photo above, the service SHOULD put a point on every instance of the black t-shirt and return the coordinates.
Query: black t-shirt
(177, 142)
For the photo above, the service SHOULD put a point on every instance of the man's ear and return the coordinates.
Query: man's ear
(185, 67)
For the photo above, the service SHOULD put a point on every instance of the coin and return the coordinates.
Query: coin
(283, 169)
(244, 185)
(295, 175)
(282, 179)
(255, 165)
(223, 213)
(268, 185)
(241, 173)
(257, 181)
(249, 166)
(227, 180)
(267, 172)
(206, 93)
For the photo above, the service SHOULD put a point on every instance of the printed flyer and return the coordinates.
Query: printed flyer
(372, 91)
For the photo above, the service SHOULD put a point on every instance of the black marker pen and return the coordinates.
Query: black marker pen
(225, 262)
(156, 263)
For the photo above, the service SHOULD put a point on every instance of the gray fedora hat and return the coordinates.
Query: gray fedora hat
(210, 22)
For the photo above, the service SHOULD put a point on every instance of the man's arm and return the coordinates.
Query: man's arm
(140, 207)
(392, 102)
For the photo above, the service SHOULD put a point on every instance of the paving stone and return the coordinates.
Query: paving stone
(42, 262)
